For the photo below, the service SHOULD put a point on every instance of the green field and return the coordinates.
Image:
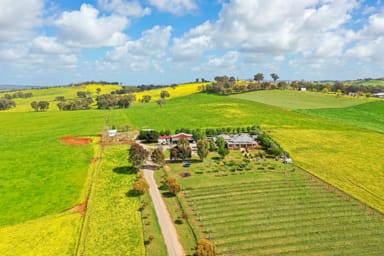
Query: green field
(369, 115)
(301, 100)
(39, 174)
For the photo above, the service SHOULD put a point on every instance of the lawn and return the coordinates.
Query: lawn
(301, 100)
(39, 174)
(259, 210)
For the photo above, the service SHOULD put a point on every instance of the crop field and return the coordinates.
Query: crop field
(292, 216)
(53, 235)
(178, 91)
(39, 174)
(369, 115)
(301, 100)
(113, 223)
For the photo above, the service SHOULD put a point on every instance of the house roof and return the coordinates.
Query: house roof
(165, 137)
(182, 135)
(242, 138)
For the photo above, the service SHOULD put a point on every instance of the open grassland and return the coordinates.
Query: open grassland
(48, 236)
(39, 174)
(301, 100)
(369, 115)
(203, 111)
(113, 224)
(259, 210)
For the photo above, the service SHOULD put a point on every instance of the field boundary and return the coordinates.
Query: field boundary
(94, 169)
(341, 193)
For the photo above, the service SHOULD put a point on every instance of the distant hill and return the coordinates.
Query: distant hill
(5, 88)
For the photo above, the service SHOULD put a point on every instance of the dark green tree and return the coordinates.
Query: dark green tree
(258, 77)
(275, 77)
(184, 151)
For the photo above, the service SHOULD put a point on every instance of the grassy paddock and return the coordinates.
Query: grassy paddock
(301, 100)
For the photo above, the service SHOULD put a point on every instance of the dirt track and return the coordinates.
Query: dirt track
(174, 247)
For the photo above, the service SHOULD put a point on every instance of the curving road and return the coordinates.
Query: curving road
(167, 227)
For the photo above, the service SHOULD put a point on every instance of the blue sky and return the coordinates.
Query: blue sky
(51, 42)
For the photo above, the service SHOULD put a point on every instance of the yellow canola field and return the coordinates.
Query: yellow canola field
(53, 235)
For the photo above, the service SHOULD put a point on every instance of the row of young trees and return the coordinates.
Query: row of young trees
(18, 95)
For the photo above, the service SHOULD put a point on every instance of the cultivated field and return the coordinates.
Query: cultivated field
(259, 210)
(113, 223)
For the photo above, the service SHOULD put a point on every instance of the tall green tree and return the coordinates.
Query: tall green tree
(43, 105)
(221, 147)
(35, 106)
(203, 149)
(137, 155)
(259, 77)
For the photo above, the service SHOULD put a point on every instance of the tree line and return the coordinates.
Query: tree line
(228, 85)
(22, 95)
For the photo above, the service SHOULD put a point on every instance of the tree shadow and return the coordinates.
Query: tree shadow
(216, 158)
(168, 194)
(132, 193)
(125, 170)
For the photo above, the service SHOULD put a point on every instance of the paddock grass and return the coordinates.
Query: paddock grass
(48, 236)
(369, 115)
(266, 212)
(301, 100)
(39, 174)
(113, 224)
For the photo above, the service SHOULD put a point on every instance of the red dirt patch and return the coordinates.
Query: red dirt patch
(81, 208)
(185, 174)
(72, 140)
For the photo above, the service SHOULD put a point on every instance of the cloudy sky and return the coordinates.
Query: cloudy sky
(50, 42)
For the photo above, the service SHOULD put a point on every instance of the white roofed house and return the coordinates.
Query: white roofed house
(241, 140)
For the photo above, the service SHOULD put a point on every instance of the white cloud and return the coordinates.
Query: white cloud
(19, 18)
(142, 53)
(125, 8)
(223, 64)
(86, 29)
(177, 7)
(48, 45)
(272, 27)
